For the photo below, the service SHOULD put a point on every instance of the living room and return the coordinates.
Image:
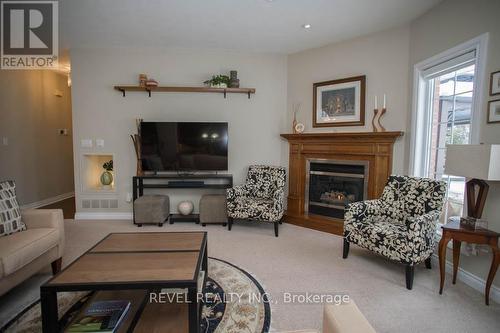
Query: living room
(215, 135)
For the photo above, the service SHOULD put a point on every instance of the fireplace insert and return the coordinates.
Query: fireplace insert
(332, 184)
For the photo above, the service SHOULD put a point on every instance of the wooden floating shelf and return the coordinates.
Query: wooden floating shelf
(224, 91)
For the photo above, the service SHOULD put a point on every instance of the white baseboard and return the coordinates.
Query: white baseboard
(48, 201)
(103, 216)
(473, 281)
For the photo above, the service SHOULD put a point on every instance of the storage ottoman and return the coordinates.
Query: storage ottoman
(213, 209)
(151, 209)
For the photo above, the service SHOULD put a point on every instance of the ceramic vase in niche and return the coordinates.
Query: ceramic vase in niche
(106, 178)
(234, 82)
(185, 207)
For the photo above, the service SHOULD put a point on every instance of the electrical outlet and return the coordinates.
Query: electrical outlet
(99, 143)
(5, 141)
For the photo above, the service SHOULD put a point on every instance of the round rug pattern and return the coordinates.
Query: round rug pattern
(222, 312)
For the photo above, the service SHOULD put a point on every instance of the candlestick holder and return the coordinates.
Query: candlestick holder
(377, 114)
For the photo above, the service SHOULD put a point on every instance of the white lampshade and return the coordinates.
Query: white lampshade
(473, 161)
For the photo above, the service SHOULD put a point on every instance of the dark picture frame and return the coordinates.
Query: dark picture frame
(339, 102)
(491, 119)
(495, 88)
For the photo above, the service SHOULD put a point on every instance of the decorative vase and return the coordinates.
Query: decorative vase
(106, 178)
(234, 82)
(220, 85)
(185, 207)
(299, 128)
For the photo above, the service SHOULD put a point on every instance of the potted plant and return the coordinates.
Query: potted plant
(218, 81)
(107, 176)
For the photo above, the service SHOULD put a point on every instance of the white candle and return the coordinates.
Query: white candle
(384, 101)
(376, 106)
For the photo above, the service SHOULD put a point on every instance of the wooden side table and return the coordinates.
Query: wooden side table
(458, 233)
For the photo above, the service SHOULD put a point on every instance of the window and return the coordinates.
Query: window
(447, 91)
(450, 97)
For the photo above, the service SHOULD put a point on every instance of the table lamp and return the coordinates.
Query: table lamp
(478, 163)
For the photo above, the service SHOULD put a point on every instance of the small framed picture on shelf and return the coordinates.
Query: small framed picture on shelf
(494, 111)
(495, 83)
(339, 102)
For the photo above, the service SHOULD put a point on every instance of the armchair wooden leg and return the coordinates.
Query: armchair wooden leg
(56, 266)
(229, 223)
(410, 272)
(346, 248)
(428, 263)
(276, 226)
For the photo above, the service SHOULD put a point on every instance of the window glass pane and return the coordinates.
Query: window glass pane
(446, 84)
(446, 109)
(461, 134)
(464, 80)
(456, 189)
(463, 108)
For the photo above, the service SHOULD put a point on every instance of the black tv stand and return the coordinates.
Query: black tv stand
(180, 181)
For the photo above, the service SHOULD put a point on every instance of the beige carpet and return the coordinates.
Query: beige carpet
(303, 260)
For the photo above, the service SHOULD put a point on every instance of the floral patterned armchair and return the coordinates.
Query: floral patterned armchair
(401, 225)
(261, 198)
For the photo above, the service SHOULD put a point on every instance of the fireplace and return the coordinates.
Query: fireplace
(333, 184)
(349, 151)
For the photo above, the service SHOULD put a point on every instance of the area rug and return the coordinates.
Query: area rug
(234, 302)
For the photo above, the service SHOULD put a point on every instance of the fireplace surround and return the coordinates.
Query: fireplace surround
(372, 150)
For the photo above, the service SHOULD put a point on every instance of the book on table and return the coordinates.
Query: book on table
(101, 317)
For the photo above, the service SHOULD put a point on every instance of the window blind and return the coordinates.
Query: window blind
(450, 65)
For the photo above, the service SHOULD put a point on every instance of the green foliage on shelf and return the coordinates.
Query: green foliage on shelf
(108, 166)
(217, 80)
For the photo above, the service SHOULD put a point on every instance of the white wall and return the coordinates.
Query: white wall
(382, 57)
(450, 23)
(36, 157)
(101, 112)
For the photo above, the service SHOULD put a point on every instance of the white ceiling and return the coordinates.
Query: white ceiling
(248, 25)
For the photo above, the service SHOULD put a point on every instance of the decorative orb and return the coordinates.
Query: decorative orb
(185, 207)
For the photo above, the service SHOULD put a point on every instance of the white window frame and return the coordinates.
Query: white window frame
(420, 117)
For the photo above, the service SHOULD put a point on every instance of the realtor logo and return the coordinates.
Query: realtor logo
(29, 35)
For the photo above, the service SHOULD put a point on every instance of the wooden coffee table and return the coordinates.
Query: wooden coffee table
(128, 266)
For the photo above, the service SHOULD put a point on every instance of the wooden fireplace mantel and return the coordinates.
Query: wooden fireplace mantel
(374, 147)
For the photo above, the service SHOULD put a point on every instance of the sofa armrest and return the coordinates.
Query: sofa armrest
(359, 211)
(45, 218)
(278, 200)
(238, 191)
(345, 318)
(422, 232)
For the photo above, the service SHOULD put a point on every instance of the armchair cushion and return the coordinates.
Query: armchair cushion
(10, 214)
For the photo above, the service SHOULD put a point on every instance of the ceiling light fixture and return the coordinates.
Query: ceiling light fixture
(306, 26)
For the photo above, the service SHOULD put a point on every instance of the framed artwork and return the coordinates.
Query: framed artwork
(339, 102)
(495, 83)
(494, 111)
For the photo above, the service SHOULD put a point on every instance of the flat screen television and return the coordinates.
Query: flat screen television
(184, 146)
